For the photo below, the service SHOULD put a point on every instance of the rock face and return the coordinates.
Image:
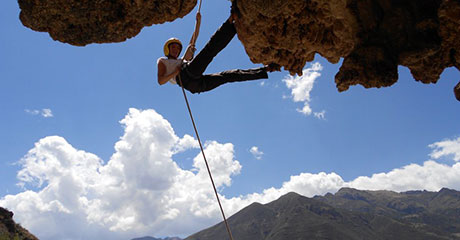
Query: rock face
(291, 32)
(372, 36)
(80, 22)
(10, 230)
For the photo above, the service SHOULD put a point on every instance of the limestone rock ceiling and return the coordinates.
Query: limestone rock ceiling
(372, 36)
(81, 22)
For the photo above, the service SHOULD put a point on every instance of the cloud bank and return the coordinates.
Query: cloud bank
(301, 86)
(142, 191)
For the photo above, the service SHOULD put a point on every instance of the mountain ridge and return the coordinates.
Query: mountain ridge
(9, 229)
(152, 238)
(347, 214)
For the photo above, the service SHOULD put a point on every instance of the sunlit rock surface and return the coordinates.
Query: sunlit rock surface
(81, 22)
(291, 32)
(373, 37)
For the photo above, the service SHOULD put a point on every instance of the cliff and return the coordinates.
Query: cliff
(11, 230)
(81, 22)
(373, 37)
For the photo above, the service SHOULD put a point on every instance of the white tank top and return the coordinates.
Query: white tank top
(171, 65)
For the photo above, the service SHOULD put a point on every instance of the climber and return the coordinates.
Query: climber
(190, 70)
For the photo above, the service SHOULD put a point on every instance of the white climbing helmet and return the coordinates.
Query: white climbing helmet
(170, 41)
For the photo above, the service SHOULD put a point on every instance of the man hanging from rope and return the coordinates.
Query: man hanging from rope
(190, 70)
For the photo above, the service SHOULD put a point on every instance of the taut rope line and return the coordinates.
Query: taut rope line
(202, 150)
(199, 6)
(205, 161)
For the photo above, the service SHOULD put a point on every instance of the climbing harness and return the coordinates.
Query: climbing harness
(202, 150)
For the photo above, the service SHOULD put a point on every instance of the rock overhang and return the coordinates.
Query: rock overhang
(373, 37)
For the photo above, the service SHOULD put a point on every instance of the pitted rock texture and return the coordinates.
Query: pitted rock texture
(289, 33)
(417, 34)
(372, 36)
(81, 22)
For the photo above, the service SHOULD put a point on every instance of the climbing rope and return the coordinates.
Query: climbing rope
(204, 157)
(199, 6)
(202, 150)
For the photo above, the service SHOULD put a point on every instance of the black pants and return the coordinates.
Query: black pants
(191, 74)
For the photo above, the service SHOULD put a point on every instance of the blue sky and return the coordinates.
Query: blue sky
(80, 94)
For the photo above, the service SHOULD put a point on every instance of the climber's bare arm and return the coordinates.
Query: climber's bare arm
(162, 78)
(191, 46)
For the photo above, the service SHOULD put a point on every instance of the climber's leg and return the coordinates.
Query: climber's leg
(218, 41)
(193, 85)
(211, 81)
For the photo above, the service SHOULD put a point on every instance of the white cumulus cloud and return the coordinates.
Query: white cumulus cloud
(140, 190)
(446, 148)
(301, 87)
(430, 176)
(185, 143)
(256, 152)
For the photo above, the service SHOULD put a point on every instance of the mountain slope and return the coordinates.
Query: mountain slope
(349, 214)
(152, 238)
(11, 230)
(431, 212)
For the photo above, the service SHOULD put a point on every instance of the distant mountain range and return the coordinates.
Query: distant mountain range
(152, 238)
(347, 215)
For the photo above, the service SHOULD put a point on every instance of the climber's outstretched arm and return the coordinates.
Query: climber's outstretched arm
(191, 46)
(197, 29)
